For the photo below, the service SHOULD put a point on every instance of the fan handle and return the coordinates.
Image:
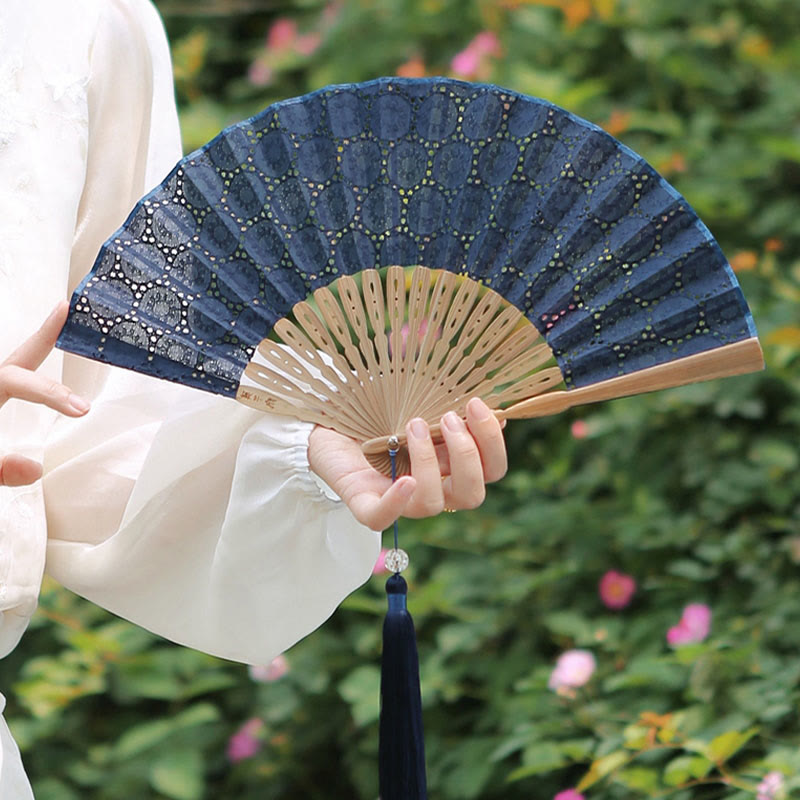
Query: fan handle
(722, 362)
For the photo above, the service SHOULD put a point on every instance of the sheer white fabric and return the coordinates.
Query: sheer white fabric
(186, 513)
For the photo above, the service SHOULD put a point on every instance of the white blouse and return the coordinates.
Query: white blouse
(187, 513)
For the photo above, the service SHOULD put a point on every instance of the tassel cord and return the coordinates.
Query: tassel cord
(393, 459)
(401, 751)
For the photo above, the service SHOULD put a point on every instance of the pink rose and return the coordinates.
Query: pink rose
(616, 589)
(267, 673)
(474, 61)
(466, 63)
(569, 794)
(245, 743)
(422, 329)
(282, 34)
(573, 669)
(486, 43)
(380, 565)
(579, 429)
(694, 625)
(771, 787)
(259, 73)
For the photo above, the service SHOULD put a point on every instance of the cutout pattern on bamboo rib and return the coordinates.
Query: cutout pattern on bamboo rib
(365, 360)
(579, 233)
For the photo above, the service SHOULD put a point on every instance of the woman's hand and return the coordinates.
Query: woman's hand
(450, 476)
(19, 379)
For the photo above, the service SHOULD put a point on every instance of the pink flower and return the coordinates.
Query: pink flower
(466, 63)
(259, 73)
(474, 61)
(282, 34)
(771, 787)
(422, 329)
(283, 37)
(267, 673)
(308, 43)
(569, 794)
(694, 626)
(283, 44)
(573, 669)
(616, 589)
(487, 43)
(579, 429)
(380, 566)
(245, 743)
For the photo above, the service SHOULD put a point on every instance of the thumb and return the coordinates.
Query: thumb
(378, 512)
(19, 471)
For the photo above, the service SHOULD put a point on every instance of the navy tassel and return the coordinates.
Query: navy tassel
(401, 755)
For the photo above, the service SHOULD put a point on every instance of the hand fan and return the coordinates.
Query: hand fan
(555, 267)
(374, 252)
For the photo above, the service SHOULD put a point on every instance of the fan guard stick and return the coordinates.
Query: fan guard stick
(733, 359)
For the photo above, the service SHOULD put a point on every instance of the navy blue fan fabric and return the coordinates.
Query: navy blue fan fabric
(605, 258)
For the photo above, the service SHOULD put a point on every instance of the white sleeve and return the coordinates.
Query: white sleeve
(226, 543)
(44, 68)
(13, 781)
(184, 512)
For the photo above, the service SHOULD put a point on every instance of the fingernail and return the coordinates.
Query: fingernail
(78, 403)
(480, 410)
(419, 428)
(453, 422)
(406, 488)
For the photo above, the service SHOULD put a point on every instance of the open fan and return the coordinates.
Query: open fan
(375, 252)
(553, 265)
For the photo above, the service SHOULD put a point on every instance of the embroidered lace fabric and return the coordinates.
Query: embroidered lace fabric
(598, 251)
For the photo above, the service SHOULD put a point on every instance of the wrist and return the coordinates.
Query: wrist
(314, 465)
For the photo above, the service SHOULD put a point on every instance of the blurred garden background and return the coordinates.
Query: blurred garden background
(621, 619)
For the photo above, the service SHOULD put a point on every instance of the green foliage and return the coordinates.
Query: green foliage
(694, 492)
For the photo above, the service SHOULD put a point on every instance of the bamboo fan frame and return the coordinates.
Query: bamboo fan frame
(364, 360)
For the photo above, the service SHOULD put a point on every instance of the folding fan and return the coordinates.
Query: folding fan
(554, 266)
(375, 252)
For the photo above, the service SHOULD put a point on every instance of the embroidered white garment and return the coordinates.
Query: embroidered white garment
(184, 512)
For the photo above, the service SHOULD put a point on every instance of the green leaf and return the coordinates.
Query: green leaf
(543, 757)
(683, 768)
(361, 689)
(661, 672)
(53, 789)
(577, 749)
(179, 775)
(602, 767)
(473, 768)
(142, 737)
(786, 147)
(642, 779)
(726, 744)
(570, 624)
(636, 736)
(149, 734)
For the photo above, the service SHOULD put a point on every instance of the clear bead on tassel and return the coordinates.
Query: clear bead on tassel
(396, 560)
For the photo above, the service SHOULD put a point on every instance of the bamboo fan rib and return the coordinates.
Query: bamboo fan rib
(370, 358)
